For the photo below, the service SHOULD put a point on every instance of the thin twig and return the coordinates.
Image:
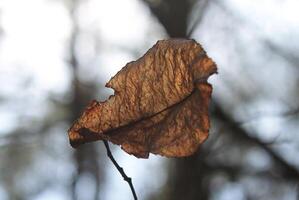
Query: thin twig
(120, 169)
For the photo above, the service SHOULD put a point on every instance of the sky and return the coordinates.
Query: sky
(33, 54)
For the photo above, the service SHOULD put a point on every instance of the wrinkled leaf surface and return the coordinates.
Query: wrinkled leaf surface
(160, 103)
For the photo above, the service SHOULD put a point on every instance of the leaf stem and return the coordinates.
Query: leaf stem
(120, 169)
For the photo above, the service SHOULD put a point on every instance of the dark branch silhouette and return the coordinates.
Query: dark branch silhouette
(120, 169)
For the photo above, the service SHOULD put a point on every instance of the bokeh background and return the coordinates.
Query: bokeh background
(56, 55)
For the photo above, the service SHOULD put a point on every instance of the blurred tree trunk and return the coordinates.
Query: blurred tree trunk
(172, 14)
(186, 176)
(85, 157)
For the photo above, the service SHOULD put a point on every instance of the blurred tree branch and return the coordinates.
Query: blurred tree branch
(200, 11)
(287, 170)
(289, 56)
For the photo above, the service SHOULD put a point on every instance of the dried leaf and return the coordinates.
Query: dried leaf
(160, 103)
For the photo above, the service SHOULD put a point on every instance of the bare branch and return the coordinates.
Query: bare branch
(120, 169)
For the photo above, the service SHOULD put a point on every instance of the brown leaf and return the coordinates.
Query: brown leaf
(160, 103)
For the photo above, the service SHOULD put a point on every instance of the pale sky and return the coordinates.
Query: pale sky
(34, 46)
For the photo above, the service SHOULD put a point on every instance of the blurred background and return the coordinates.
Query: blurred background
(56, 56)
